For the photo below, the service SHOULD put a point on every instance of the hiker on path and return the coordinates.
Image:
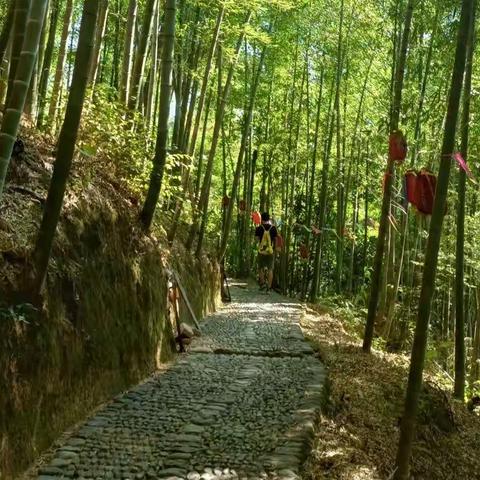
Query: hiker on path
(266, 235)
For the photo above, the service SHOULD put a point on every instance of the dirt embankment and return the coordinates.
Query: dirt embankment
(102, 324)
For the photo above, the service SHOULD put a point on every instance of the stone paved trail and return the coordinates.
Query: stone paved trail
(239, 405)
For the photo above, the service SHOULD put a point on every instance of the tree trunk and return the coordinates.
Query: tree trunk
(191, 111)
(31, 101)
(16, 103)
(421, 101)
(193, 47)
(388, 188)
(100, 34)
(114, 83)
(475, 362)
(6, 29)
(431, 254)
(47, 63)
(4, 72)
(266, 167)
(128, 52)
(140, 57)
(205, 78)
(153, 80)
(204, 196)
(198, 176)
(322, 204)
(241, 154)
(57, 82)
(366, 210)
(459, 388)
(340, 190)
(66, 144)
(159, 160)
(311, 187)
(22, 7)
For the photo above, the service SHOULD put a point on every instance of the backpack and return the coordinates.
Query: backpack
(265, 247)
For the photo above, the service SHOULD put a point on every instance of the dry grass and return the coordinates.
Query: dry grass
(357, 436)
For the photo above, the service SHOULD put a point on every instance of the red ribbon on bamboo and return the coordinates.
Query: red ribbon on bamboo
(420, 190)
(463, 164)
(397, 146)
(256, 218)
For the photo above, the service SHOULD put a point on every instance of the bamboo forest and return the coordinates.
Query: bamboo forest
(237, 240)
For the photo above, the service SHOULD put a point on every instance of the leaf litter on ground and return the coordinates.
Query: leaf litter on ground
(357, 433)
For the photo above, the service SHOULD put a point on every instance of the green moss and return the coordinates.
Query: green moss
(104, 327)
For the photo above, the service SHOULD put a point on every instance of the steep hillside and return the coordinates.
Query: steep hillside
(102, 323)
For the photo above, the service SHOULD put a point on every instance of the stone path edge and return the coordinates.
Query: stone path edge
(299, 440)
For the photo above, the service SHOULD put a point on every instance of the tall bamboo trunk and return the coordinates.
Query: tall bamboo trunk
(6, 29)
(114, 73)
(66, 144)
(475, 360)
(205, 79)
(47, 63)
(31, 102)
(5, 49)
(311, 186)
(152, 84)
(405, 215)
(388, 188)
(159, 160)
(340, 191)
(263, 190)
(366, 211)
(22, 8)
(16, 102)
(192, 46)
(459, 388)
(423, 90)
(185, 119)
(284, 259)
(59, 72)
(128, 46)
(204, 196)
(322, 203)
(188, 101)
(4, 72)
(191, 112)
(140, 57)
(355, 215)
(431, 254)
(198, 176)
(100, 34)
(241, 154)
(203, 204)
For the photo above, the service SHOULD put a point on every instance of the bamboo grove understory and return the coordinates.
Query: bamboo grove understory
(212, 110)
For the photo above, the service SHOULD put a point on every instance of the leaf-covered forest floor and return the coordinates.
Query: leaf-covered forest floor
(357, 435)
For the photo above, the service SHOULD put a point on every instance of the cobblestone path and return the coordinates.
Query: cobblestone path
(239, 405)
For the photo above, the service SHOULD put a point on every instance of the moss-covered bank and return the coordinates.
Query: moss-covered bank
(103, 325)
